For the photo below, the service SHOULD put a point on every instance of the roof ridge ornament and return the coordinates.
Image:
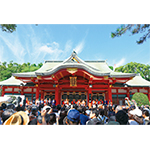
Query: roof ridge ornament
(74, 53)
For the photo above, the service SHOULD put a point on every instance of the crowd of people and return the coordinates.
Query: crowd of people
(48, 113)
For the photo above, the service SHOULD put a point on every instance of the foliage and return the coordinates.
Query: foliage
(6, 70)
(134, 67)
(141, 99)
(111, 67)
(134, 29)
(8, 27)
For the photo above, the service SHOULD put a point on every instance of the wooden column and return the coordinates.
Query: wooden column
(89, 97)
(12, 90)
(42, 95)
(106, 95)
(57, 95)
(37, 92)
(3, 91)
(128, 94)
(22, 90)
(149, 93)
(32, 93)
(117, 96)
(109, 93)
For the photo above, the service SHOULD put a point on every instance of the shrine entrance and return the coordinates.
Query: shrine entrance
(73, 95)
(98, 96)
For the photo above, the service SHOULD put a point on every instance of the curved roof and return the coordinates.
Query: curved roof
(12, 82)
(138, 81)
(97, 68)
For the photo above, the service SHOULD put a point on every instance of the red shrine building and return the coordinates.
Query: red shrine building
(75, 79)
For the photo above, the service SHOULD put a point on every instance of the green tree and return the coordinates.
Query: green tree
(6, 69)
(141, 99)
(111, 67)
(8, 27)
(134, 67)
(133, 29)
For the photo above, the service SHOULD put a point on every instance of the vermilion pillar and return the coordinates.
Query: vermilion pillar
(57, 95)
(37, 92)
(149, 94)
(42, 95)
(22, 89)
(3, 91)
(89, 100)
(128, 94)
(106, 95)
(109, 93)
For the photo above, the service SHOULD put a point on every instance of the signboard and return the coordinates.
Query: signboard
(73, 81)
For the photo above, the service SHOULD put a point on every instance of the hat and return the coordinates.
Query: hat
(18, 118)
(136, 111)
(126, 98)
(46, 107)
(73, 115)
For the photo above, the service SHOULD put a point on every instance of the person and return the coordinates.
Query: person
(73, 101)
(53, 102)
(101, 102)
(102, 117)
(72, 118)
(105, 102)
(93, 118)
(6, 114)
(110, 103)
(93, 103)
(83, 117)
(18, 118)
(45, 102)
(78, 102)
(33, 116)
(122, 117)
(112, 121)
(49, 102)
(51, 119)
(117, 108)
(83, 103)
(66, 102)
(135, 116)
(110, 112)
(63, 114)
(128, 102)
(145, 114)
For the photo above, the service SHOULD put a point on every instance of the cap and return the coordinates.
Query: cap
(73, 115)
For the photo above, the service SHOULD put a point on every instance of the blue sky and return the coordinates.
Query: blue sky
(34, 44)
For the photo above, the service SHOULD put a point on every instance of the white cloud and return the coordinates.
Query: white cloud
(79, 47)
(52, 49)
(13, 43)
(30, 47)
(1, 54)
(120, 63)
(68, 46)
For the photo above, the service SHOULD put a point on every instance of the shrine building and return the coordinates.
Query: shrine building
(76, 79)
